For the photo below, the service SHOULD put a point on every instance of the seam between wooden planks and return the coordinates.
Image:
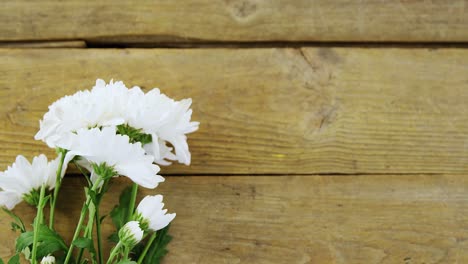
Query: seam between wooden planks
(74, 174)
(80, 43)
(274, 44)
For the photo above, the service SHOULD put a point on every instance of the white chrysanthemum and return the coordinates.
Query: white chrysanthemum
(165, 119)
(48, 260)
(22, 178)
(131, 234)
(151, 214)
(105, 146)
(160, 151)
(103, 106)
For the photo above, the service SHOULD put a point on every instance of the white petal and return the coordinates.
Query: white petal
(142, 173)
(99, 146)
(162, 222)
(151, 209)
(9, 199)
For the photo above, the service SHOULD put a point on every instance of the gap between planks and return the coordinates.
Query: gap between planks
(223, 44)
(74, 173)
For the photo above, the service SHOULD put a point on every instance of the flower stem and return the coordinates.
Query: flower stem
(37, 222)
(114, 252)
(58, 183)
(148, 245)
(126, 252)
(89, 228)
(82, 217)
(98, 233)
(131, 206)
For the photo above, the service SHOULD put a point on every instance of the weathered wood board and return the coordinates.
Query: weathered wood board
(269, 111)
(235, 20)
(298, 219)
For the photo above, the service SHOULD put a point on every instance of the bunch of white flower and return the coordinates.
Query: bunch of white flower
(106, 132)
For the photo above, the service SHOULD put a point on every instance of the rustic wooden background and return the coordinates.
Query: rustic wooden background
(332, 131)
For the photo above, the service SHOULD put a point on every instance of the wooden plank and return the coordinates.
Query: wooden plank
(44, 44)
(269, 111)
(232, 20)
(299, 219)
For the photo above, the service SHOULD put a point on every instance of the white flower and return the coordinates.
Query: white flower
(22, 179)
(160, 151)
(103, 106)
(165, 119)
(131, 234)
(105, 146)
(151, 214)
(48, 260)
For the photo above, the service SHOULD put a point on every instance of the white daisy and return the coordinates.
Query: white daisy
(103, 106)
(131, 234)
(48, 260)
(160, 151)
(151, 214)
(22, 179)
(105, 146)
(165, 119)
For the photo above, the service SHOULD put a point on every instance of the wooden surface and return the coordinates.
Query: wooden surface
(269, 111)
(44, 44)
(307, 152)
(300, 219)
(235, 20)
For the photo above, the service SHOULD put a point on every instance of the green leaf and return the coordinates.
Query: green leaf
(135, 135)
(86, 243)
(120, 213)
(15, 226)
(47, 248)
(24, 240)
(18, 224)
(114, 237)
(1, 261)
(50, 241)
(158, 249)
(15, 259)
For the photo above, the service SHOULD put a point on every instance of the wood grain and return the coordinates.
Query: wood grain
(235, 20)
(269, 111)
(44, 44)
(298, 219)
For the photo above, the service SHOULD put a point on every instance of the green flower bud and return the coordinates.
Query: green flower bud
(131, 234)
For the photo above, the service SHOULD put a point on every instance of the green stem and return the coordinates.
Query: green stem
(98, 234)
(82, 217)
(131, 206)
(126, 252)
(148, 245)
(38, 221)
(58, 183)
(114, 252)
(89, 228)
